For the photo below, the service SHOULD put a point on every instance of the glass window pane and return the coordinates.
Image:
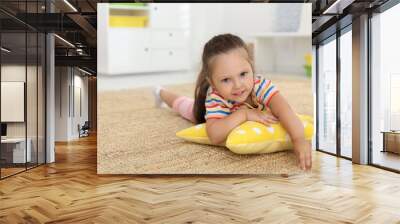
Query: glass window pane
(13, 86)
(385, 86)
(22, 76)
(327, 97)
(346, 94)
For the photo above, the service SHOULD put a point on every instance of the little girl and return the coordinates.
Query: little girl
(228, 93)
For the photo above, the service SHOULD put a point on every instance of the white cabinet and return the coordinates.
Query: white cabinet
(168, 59)
(169, 16)
(163, 45)
(169, 38)
(131, 53)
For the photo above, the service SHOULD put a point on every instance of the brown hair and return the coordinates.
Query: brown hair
(219, 44)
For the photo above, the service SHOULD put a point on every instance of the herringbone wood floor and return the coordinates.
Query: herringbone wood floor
(69, 191)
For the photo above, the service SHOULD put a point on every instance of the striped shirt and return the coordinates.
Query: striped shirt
(218, 107)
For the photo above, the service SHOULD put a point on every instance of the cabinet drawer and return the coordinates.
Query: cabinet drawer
(171, 15)
(169, 39)
(128, 51)
(130, 60)
(169, 59)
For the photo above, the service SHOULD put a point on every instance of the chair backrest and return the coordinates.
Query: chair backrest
(86, 125)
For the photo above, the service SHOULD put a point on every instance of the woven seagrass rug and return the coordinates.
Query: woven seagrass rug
(134, 137)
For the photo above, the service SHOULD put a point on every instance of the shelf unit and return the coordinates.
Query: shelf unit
(160, 45)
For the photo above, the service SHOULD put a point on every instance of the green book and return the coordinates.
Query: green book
(133, 5)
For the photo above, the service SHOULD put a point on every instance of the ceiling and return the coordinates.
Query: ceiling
(76, 24)
(328, 16)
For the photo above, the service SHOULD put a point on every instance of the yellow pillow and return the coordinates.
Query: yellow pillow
(251, 137)
(196, 134)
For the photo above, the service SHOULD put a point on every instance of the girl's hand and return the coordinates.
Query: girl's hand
(302, 149)
(264, 117)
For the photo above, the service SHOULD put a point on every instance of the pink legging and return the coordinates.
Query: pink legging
(184, 106)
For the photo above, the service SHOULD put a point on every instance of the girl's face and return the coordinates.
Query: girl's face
(232, 75)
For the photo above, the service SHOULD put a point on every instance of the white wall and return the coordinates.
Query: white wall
(62, 80)
(80, 82)
(282, 55)
(259, 24)
(206, 21)
(68, 80)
